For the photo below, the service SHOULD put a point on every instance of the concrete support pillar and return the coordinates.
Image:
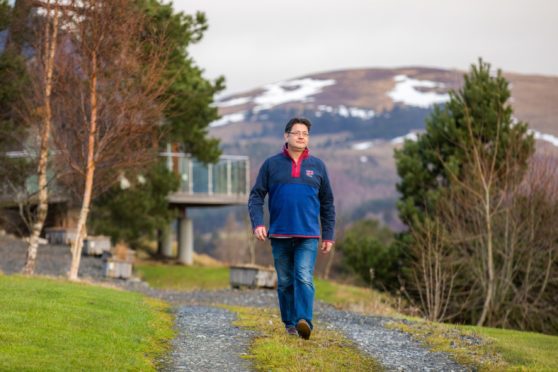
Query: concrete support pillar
(185, 241)
(159, 242)
(166, 241)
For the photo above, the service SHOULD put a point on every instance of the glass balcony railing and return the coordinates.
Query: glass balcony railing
(227, 177)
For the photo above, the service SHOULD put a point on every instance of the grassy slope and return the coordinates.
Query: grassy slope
(534, 351)
(48, 324)
(359, 299)
(183, 277)
(500, 349)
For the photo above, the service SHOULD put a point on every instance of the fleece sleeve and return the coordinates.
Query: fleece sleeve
(327, 209)
(257, 197)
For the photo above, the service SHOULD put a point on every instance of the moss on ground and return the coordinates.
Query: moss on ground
(486, 349)
(273, 349)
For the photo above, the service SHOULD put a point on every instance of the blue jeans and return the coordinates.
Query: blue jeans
(295, 259)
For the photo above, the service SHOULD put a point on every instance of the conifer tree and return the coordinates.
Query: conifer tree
(425, 166)
(135, 212)
(459, 180)
(189, 97)
(13, 80)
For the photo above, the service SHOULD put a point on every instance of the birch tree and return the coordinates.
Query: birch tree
(108, 108)
(36, 31)
(42, 74)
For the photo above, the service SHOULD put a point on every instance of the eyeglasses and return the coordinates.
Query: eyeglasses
(298, 134)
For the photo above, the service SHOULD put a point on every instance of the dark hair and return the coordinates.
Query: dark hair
(294, 121)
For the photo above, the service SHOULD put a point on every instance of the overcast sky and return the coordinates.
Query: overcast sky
(254, 42)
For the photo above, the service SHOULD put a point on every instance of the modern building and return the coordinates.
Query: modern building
(224, 183)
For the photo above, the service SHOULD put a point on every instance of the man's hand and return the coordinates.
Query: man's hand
(260, 232)
(326, 246)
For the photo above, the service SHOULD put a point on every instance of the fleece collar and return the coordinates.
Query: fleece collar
(296, 165)
(305, 153)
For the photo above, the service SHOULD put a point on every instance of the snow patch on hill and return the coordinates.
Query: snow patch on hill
(300, 90)
(406, 92)
(234, 102)
(345, 111)
(360, 146)
(227, 119)
(412, 136)
(545, 137)
(363, 145)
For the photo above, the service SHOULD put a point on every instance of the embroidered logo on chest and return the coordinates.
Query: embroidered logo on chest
(309, 173)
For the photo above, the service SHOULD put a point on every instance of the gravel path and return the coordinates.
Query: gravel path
(395, 350)
(208, 341)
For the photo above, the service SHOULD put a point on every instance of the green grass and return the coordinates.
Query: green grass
(273, 349)
(500, 349)
(523, 350)
(359, 299)
(54, 325)
(186, 278)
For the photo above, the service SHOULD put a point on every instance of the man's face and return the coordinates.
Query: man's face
(297, 138)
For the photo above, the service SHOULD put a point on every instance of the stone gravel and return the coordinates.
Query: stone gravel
(394, 349)
(208, 341)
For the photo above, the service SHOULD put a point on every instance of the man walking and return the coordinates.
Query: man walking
(300, 200)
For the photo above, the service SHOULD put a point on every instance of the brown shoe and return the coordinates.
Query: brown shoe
(303, 329)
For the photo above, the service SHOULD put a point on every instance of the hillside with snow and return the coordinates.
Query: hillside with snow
(359, 117)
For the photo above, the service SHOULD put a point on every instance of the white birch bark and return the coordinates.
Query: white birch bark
(77, 244)
(42, 207)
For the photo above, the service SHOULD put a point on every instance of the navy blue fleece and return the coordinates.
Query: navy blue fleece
(300, 197)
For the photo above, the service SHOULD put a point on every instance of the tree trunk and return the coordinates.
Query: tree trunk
(90, 171)
(42, 207)
(490, 263)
